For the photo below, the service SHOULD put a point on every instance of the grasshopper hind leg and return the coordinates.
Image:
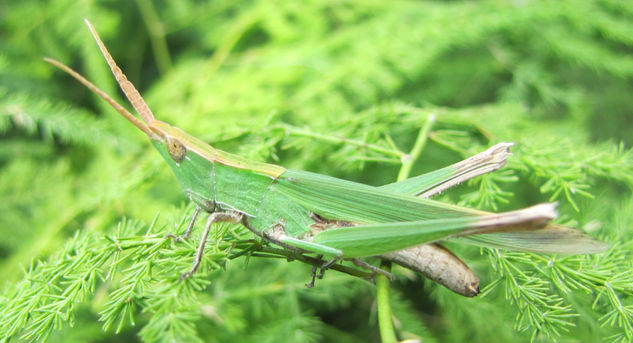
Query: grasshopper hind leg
(335, 255)
(327, 256)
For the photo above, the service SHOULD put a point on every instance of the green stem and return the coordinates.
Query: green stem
(385, 321)
(156, 35)
(409, 160)
(222, 52)
(236, 32)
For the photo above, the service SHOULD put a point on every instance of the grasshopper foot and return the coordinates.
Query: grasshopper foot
(185, 235)
(196, 264)
(314, 274)
(327, 266)
(177, 238)
(186, 275)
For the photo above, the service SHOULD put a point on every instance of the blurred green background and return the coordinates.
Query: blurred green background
(335, 87)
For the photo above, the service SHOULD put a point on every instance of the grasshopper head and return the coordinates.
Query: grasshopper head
(188, 157)
(164, 136)
(177, 141)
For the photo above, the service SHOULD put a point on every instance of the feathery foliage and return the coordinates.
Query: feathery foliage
(336, 87)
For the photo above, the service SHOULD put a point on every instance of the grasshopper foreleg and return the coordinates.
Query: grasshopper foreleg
(227, 217)
(189, 227)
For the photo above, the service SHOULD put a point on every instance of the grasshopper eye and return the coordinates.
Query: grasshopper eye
(175, 149)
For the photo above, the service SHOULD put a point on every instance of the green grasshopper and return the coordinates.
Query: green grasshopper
(337, 219)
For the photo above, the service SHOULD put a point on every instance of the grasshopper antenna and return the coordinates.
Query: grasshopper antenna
(127, 87)
(125, 113)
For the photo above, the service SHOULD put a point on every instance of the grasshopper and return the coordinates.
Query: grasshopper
(336, 219)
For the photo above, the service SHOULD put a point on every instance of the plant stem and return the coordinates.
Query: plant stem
(409, 160)
(385, 321)
(156, 35)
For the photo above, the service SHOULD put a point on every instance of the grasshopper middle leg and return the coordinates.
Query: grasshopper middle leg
(216, 217)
